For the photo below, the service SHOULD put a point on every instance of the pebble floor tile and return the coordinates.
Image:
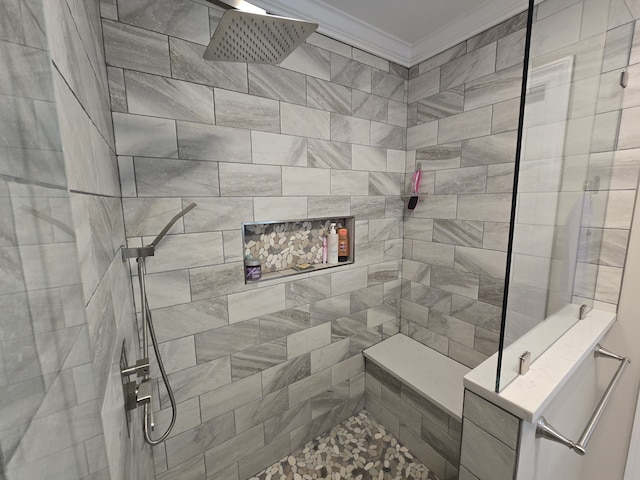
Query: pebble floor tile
(359, 449)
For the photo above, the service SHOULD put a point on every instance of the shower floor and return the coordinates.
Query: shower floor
(359, 449)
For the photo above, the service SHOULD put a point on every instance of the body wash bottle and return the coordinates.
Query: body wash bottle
(343, 244)
(332, 245)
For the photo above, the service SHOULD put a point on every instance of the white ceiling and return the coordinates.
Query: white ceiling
(403, 31)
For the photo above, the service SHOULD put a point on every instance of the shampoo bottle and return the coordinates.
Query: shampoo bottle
(343, 244)
(332, 245)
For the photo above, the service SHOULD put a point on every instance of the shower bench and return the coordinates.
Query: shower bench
(417, 394)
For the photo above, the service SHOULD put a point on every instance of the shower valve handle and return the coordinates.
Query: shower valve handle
(141, 369)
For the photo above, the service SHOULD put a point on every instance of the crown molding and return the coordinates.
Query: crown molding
(476, 21)
(343, 27)
(353, 31)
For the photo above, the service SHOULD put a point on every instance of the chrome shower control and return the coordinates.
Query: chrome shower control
(141, 369)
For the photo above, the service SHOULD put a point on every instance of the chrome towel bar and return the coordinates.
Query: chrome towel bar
(545, 430)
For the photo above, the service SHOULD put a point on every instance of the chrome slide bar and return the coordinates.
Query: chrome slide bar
(546, 430)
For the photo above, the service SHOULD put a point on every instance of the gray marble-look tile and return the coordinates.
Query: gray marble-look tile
(307, 290)
(200, 439)
(398, 113)
(438, 157)
(166, 177)
(328, 96)
(442, 58)
(287, 421)
(423, 86)
(371, 107)
(330, 309)
(276, 149)
(488, 208)
(399, 70)
(617, 47)
(418, 228)
(491, 291)
(117, 92)
(366, 298)
(510, 50)
(368, 158)
(163, 97)
(305, 341)
(122, 41)
(230, 397)
(388, 85)
(627, 137)
(473, 65)
(221, 461)
(345, 182)
(348, 280)
(484, 455)
(208, 282)
(286, 373)
(318, 207)
(310, 60)
(384, 229)
(182, 18)
(281, 324)
(417, 272)
(350, 129)
(256, 359)
(194, 317)
(367, 207)
(326, 154)
(433, 253)
(145, 136)
(608, 284)
(498, 87)
(277, 83)
(456, 330)
(483, 262)
(261, 409)
(148, 216)
(387, 136)
(350, 73)
(603, 246)
(477, 313)
(441, 105)
(386, 273)
(299, 181)
(305, 122)
(492, 419)
(197, 141)
(218, 213)
(475, 123)
(223, 341)
(370, 59)
(252, 304)
(455, 281)
(329, 44)
(232, 109)
(187, 251)
(187, 64)
(505, 116)
(197, 380)
(385, 183)
(462, 180)
(458, 232)
(438, 206)
(500, 178)
(423, 135)
(252, 180)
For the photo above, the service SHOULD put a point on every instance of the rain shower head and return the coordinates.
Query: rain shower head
(245, 36)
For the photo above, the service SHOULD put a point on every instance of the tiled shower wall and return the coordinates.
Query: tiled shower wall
(463, 107)
(62, 224)
(257, 369)
(83, 111)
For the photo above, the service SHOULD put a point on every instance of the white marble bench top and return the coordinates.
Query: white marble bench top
(436, 376)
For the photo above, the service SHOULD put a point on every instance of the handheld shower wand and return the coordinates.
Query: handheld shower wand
(141, 394)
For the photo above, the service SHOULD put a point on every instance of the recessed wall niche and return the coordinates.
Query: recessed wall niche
(282, 246)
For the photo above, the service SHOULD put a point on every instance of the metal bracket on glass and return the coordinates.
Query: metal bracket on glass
(546, 430)
(624, 78)
(582, 313)
(525, 363)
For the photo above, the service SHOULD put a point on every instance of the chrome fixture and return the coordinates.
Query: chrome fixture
(546, 430)
(525, 363)
(248, 34)
(140, 394)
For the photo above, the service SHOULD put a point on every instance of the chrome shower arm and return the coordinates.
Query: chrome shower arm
(168, 226)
